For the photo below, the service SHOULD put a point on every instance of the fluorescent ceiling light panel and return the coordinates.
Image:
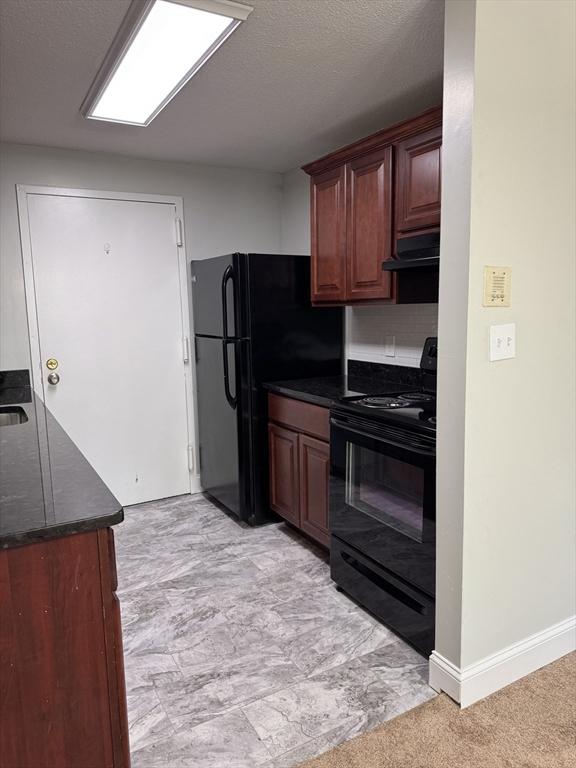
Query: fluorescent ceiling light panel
(163, 49)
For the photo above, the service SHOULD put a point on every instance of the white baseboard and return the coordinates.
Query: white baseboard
(445, 676)
(478, 680)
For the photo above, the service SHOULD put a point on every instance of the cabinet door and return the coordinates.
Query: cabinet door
(369, 226)
(63, 699)
(314, 458)
(328, 222)
(283, 452)
(418, 184)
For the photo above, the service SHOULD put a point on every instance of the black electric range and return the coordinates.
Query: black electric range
(383, 505)
(412, 409)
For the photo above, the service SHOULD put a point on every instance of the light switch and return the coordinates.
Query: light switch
(502, 341)
(390, 346)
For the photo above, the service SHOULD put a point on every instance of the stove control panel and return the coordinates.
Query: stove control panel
(430, 354)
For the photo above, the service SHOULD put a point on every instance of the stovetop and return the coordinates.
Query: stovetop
(412, 409)
(402, 400)
(409, 408)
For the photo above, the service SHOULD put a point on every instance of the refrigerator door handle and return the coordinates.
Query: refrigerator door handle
(228, 275)
(232, 400)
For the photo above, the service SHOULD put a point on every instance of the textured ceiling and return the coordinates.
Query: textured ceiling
(298, 79)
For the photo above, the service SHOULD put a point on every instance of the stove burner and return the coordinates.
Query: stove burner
(383, 402)
(397, 401)
(417, 397)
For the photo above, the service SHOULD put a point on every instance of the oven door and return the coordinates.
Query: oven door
(382, 497)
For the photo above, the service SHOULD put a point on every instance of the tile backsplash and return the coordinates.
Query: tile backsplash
(392, 334)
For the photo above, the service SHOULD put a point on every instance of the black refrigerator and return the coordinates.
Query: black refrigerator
(253, 323)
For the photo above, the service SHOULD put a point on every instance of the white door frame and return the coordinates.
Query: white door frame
(22, 192)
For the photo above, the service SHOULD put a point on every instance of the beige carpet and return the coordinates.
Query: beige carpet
(529, 724)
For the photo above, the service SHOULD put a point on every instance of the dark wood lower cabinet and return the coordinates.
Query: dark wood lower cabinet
(63, 702)
(314, 465)
(300, 464)
(283, 448)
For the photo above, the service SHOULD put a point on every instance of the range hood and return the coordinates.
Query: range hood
(415, 252)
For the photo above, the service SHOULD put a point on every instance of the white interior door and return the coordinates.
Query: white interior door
(108, 305)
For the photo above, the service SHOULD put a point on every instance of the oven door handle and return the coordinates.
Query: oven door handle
(382, 437)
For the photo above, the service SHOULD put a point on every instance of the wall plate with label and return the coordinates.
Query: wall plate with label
(497, 285)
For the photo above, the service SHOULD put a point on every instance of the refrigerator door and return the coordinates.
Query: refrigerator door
(289, 339)
(214, 297)
(217, 368)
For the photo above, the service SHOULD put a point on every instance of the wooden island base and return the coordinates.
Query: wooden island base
(63, 698)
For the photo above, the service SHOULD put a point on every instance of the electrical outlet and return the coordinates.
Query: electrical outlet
(390, 346)
(502, 341)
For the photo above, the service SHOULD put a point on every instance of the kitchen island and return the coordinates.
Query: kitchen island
(63, 697)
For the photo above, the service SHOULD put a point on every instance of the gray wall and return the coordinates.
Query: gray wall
(506, 441)
(459, 29)
(224, 210)
(295, 215)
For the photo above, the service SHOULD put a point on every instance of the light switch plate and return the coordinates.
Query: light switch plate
(497, 286)
(502, 341)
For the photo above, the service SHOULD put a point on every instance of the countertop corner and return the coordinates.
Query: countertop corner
(51, 491)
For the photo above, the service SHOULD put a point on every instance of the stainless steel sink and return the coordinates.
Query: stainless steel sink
(12, 414)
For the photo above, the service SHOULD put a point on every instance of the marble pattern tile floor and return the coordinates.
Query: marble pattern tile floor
(239, 651)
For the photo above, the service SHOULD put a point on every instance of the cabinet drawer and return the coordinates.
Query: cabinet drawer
(303, 417)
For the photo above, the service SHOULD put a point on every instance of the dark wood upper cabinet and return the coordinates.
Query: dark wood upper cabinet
(314, 458)
(418, 182)
(283, 458)
(363, 197)
(328, 216)
(369, 230)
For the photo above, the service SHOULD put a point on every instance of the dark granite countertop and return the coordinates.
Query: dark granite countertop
(362, 379)
(48, 493)
(321, 391)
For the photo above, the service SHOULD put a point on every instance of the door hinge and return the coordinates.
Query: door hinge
(179, 236)
(191, 458)
(186, 349)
